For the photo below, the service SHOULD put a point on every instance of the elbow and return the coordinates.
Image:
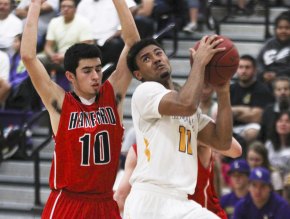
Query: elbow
(224, 145)
(189, 110)
(237, 153)
(27, 56)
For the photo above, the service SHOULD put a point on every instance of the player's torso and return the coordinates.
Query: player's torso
(87, 146)
(167, 152)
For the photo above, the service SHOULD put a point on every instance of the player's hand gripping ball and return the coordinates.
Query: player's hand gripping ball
(223, 65)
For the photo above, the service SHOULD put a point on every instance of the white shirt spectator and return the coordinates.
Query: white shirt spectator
(102, 16)
(4, 66)
(67, 34)
(9, 28)
(44, 18)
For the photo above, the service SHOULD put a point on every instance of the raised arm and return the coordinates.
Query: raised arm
(49, 91)
(186, 101)
(220, 132)
(122, 77)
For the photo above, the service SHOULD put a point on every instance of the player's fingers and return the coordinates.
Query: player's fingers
(192, 51)
(216, 42)
(211, 39)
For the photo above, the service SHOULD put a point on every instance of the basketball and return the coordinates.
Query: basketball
(223, 65)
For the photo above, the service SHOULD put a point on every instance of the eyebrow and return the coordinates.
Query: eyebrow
(146, 54)
(90, 67)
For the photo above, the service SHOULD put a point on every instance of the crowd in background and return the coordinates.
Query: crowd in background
(260, 90)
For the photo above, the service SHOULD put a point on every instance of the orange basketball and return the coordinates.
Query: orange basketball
(223, 65)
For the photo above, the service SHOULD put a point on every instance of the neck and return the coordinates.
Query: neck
(260, 204)
(3, 17)
(205, 105)
(68, 19)
(247, 83)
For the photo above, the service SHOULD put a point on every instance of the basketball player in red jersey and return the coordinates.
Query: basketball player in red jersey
(86, 122)
(204, 193)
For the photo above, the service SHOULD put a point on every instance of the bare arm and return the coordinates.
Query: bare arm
(220, 132)
(122, 77)
(204, 152)
(49, 48)
(125, 187)
(247, 114)
(186, 101)
(49, 91)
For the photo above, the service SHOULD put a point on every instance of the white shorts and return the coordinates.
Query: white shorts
(152, 202)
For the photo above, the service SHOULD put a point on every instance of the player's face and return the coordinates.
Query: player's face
(283, 125)
(88, 79)
(260, 192)
(239, 180)
(254, 159)
(283, 30)
(153, 65)
(246, 71)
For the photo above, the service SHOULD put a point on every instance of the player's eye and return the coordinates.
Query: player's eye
(145, 59)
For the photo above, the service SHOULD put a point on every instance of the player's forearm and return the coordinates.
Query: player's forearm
(29, 38)
(129, 30)
(224, 121)
(190, 92)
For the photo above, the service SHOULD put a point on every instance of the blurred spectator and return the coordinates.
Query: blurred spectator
(281, 90)
(105, 25)
(239, 173)
(248, 98)
(143, 15)
(257, 156)
(22, 95)
(4, 77)
(286, 191)
(49, 9)
(167, 11)
(261, 202)
(10, 25)
(274, 58)
(278, 144)
(207, 104)
(64, 31)
(193, 6)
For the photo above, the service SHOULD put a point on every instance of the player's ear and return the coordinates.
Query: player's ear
(70, 76)
(138, 75)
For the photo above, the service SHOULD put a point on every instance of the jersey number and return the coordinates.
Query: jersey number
(185, 140)
(101, 149)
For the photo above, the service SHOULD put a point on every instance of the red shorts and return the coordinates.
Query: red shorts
(68, 205)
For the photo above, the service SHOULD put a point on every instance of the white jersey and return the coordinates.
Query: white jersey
(167, 145)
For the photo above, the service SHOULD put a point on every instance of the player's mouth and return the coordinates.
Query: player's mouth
(160, 66)
(96, 85)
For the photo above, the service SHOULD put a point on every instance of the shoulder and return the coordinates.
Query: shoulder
(150, 86)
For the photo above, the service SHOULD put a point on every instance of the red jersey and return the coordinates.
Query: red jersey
(87, 145)
(204, 193)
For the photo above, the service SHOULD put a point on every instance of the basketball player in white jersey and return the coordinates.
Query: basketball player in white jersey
(168, 125)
